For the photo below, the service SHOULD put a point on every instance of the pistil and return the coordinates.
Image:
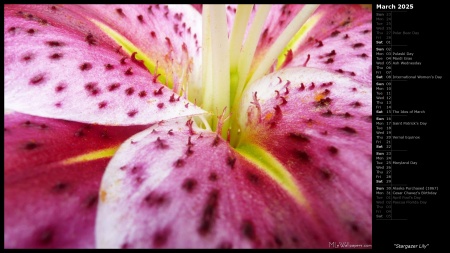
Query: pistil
(220, 63)
(216, 64)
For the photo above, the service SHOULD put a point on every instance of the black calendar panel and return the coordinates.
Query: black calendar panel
(409, 141)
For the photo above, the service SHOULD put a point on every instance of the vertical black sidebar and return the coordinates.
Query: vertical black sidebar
(410, 99)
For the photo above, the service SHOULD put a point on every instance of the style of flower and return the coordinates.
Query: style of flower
(142, 126)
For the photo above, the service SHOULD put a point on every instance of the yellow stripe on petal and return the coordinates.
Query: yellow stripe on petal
(130, 49)
(270, 165)
(298, 38)
(99, 154)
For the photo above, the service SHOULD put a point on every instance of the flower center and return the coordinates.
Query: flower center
(228, 61)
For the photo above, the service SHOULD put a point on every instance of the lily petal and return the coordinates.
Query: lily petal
(198, 7)
(319, 125)
(74, 71)
(168, 35)
(343, 46)
(52, 175)
(187, 188)
(337, 38)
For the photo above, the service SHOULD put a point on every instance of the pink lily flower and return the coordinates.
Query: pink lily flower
(174, 126)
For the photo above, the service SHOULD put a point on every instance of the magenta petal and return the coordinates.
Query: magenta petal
(58, 64)
(319, 125)
(169, 34)
(198, 7)
(55, 208)
(50, 203)
(341, 41)
(190, 189)
(34, 141)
